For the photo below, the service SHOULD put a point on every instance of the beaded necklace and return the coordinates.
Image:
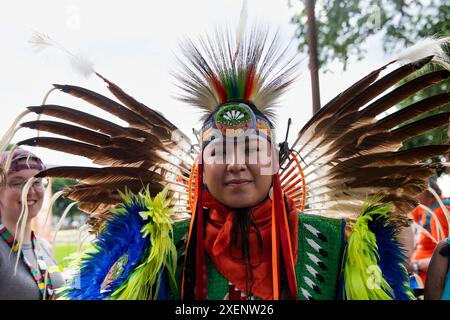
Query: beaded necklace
(40, 275)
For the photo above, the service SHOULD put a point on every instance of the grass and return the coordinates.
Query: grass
(62, 251)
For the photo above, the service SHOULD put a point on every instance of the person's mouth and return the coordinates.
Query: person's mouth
(237, 182)
(29, 203)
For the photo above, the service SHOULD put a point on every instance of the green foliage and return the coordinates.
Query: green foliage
(342, 27)
(62, 251)
(61, 204)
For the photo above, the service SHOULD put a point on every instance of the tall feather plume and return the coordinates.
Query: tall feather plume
(241, 28)
(81, 64)
(251, 65)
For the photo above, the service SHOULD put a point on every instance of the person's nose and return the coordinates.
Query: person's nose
(34, 190)
(236, 162)
(31, 192)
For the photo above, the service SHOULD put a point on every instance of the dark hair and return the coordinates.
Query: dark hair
(432, 181)
(240, 239)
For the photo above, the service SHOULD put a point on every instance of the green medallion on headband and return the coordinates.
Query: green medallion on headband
(234, 115)
(235, 119)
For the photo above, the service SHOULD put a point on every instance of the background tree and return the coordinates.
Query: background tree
(342, 27)
(61, 204)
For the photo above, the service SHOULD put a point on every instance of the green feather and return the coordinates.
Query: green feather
(363, 277)
(74, 260)
(144, 281)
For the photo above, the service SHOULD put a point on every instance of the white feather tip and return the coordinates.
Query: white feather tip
(427, 47)
(241, 27)
(80, 63)
(243, 16)
(40, 41)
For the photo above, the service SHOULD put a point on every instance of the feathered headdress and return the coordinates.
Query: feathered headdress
(236, 82)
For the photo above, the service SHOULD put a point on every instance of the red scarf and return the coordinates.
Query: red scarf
(218, 242)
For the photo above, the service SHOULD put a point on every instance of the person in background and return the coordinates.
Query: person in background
(429, 232)
(437, 286)
(37, 274)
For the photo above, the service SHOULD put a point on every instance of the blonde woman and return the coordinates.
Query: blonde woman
(37, 275)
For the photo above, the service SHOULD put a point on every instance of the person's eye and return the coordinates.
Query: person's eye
(16, 184)
(41, 184)
(37, 184)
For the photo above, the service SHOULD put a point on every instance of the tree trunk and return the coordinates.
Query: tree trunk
(313, 61)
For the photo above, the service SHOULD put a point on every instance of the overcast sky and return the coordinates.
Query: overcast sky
(133, 43)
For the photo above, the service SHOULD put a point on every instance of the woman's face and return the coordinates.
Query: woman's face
(10, 195)
(239, 174)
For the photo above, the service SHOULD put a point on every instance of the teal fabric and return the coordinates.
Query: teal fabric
(446, 202)
(446, 293)
(427, 224)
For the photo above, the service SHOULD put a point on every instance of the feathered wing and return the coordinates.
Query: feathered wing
(149, 151)
(352, 150)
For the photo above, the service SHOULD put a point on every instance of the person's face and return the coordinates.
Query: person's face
(10, 194)
(238, 174)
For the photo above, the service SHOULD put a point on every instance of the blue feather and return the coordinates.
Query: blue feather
(163, 292)
(122, 235)
(392, 257)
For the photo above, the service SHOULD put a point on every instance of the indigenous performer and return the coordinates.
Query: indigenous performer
(28, 269)
(437, 286)
(252, 218)
(431, 218)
